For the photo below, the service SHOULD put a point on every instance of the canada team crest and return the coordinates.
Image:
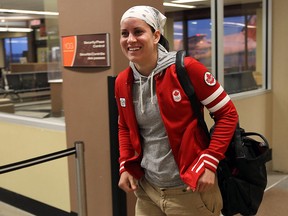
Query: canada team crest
(176, 95)
(209, 79)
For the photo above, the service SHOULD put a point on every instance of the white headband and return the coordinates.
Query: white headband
(150, 15)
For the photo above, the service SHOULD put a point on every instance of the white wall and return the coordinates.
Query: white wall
(279, 85)
(48, 182)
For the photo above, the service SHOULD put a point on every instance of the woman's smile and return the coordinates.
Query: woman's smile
(134, 49)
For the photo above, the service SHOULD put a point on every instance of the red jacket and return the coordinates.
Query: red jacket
(188, 142)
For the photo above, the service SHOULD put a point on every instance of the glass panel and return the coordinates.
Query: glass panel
(242, 46)
(199, 40)
(31, 58)
(16, 49)
(192, 30)
(178, 36)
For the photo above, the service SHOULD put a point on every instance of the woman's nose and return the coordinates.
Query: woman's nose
(131, 38)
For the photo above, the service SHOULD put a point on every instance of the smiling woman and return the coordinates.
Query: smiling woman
(173, 157)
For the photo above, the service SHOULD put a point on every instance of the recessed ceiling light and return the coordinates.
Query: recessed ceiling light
(186, 1)
(178, 5)
(15, 17)
(29, 12)
(3, 29)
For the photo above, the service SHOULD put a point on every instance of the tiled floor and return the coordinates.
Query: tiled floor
(38, 109)
(275, 201)
(7, 210)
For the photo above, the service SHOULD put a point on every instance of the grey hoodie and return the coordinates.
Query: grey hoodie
(158, 161)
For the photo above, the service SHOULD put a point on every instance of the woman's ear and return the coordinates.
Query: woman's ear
(157, 36)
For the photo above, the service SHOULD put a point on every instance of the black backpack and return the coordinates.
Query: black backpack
(242, 176)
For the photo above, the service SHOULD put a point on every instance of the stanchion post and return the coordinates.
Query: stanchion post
(81, 183)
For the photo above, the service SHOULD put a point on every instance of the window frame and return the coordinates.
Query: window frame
(217, 61)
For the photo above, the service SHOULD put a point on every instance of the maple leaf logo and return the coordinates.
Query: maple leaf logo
(176, 93)
(209, 79)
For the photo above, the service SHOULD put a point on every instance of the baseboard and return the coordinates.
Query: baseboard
(30, 205)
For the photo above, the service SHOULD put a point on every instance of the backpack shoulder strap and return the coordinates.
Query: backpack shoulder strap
(189, 89)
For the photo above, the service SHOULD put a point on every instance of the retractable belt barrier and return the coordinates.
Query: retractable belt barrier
(78, 151)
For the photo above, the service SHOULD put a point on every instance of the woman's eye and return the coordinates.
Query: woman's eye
(124, 34)
(138, 32)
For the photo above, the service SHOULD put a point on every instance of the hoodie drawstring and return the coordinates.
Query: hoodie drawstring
(141, 97)
(151, 91)
(151, 87)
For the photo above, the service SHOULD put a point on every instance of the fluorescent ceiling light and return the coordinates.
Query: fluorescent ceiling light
(2, 29)
(15, 17)
(186, 1)
(29, 12)
(178, 5)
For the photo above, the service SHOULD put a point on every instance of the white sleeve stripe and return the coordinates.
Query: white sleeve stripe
(213, 96)
(211, 164)
(210, 156)
(122, 163)
(199, 168)
(220, 104)
(205, 155)
(202, 164)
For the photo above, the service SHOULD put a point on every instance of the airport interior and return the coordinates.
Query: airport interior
(58, 116)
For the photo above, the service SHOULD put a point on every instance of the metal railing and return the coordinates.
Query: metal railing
(78, 151)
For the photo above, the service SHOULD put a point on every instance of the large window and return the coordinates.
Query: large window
(235, 38)
(15, 50)
(242, 45)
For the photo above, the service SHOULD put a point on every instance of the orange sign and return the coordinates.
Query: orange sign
(86, 50)
(69, 50)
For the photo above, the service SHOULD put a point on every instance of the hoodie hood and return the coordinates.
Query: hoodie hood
(165, 59)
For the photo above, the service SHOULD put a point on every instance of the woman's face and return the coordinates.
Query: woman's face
(138, 42)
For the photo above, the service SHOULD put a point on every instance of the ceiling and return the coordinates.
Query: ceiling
(51, 5)
(40, 4)
(19, 20)
(197, 4)
(9, 19)
(205, 4)
(37, 5)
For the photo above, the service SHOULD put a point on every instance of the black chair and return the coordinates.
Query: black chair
(28, 81)
(14, 82)
(239, 82)
(14, 85)
(42, 80)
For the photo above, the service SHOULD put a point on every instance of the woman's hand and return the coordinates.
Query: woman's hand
(127, 182)
(205, 182)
